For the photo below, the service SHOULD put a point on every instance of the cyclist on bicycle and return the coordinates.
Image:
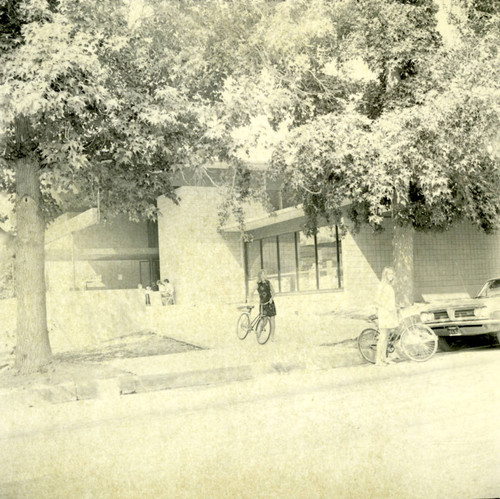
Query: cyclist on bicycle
(387, 314)
(266, 294)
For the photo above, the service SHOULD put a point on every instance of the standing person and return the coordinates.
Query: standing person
(266, 294)
(387, 314)
(144, 293)
(147, 295)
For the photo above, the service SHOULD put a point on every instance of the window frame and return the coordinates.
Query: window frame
(296, 235)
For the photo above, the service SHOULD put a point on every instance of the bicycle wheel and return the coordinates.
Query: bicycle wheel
(419, 342)
(367, 344)
(263, 330)
(243, 326)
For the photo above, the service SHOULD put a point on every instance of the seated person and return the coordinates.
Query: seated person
(167, 292)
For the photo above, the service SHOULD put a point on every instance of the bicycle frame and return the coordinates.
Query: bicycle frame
(393, 336)
(245, 324)
(415, 340)
(255, 320)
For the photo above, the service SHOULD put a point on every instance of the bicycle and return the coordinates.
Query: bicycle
(260, 324)
(417, 341)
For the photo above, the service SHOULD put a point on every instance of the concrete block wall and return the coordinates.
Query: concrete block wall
(201, 260)
(365, 254)
(460, 259)
(203, 264)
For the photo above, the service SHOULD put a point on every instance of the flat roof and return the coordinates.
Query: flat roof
(276, 217)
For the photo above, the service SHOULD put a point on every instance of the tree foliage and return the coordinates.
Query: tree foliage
(362, 102)
(111, 111)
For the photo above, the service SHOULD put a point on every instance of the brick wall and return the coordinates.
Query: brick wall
(460, 259)
(365, 254)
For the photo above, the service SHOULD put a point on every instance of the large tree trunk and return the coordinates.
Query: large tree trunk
(402, 252)
(32, 347)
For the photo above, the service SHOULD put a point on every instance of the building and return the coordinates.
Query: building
(321, 271)
(85, 253)
(210, 265)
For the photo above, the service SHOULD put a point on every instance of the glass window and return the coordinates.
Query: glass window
(253, 260)
(288, 263)
(270, 260)
(326, 242)
(295, 262)
(307, 262)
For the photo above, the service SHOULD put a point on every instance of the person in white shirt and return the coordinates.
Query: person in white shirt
(387, 314)
(167, 292)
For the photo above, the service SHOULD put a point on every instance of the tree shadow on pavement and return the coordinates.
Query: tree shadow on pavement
(90, 363)
(141, 344)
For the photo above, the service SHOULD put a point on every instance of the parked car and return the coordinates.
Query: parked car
(466, 317)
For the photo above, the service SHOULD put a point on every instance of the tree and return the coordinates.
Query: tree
(92, 104)
(375, 114)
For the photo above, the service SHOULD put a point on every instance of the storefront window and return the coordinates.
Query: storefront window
(307, 263)
(327, 258)
(295, 262)
(270, 260)
(288, 264)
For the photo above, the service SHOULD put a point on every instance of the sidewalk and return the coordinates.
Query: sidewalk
(303, 343)
(242, 361)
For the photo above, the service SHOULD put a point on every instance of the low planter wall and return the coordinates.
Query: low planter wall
(82, 319)
(78, 319)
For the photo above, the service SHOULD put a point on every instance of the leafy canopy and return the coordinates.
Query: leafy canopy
(363, 103)
(106, 105)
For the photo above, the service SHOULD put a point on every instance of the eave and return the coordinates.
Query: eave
(278, 216)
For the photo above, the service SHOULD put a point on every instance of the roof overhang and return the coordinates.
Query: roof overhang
(278, 216)
(274, 218)
(100, 254)
(65, 224)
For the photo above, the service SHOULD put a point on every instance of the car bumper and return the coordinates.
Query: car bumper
(472, 328)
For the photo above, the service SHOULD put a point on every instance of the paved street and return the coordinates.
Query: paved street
(408, 430)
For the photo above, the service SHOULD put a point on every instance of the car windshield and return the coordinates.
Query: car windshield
(490, 289)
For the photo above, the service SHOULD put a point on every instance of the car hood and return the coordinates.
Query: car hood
(464, 303)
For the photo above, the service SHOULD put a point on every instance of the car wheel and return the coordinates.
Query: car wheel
(445, 344)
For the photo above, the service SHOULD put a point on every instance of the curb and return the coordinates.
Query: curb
(131, 384)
